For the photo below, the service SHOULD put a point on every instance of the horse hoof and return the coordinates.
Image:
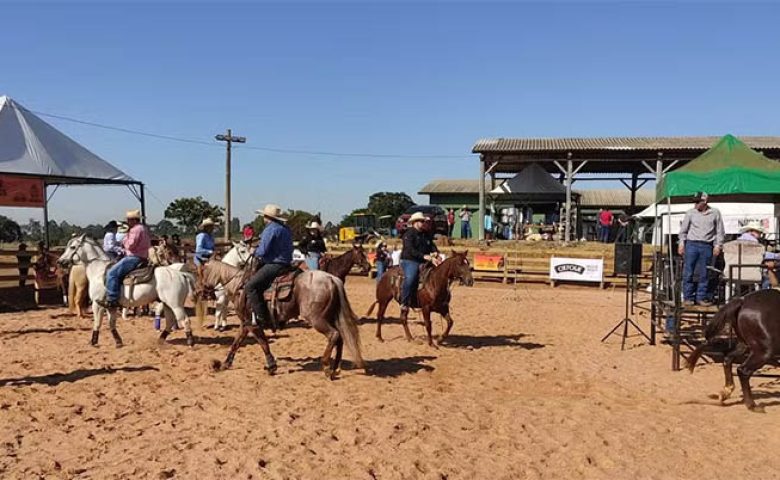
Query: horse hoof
(271, 369)
(94, 340)
(190, 340)
(757, 409)
(216, 365)
(380, 339)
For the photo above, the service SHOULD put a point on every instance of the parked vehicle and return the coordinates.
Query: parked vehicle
(437, 215)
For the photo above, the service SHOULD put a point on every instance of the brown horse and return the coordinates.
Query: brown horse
(433, 296)
(755, 319)
(317, 297)
(340, 266)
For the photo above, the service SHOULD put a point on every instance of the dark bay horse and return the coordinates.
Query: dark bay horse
(341, 265)
(434, 296)
(755, 319)
(317, 297)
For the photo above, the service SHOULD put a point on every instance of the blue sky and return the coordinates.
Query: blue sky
(401, 78)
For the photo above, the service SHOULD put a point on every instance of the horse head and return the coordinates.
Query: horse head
(460, 268)
(74, 252)
(360, 258)
(239, 255)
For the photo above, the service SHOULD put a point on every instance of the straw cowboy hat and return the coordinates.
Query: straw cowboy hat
(314, 226)
(416, 217)
(207, 222)
(272, 211)
(753, 226)
(133, 214)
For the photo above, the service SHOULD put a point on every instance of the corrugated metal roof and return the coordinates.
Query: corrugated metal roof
(588, 198)
(519, 145)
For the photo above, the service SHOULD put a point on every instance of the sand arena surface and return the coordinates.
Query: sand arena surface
(523, 390)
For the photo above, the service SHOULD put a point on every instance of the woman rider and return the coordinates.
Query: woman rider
(312, 245)
(417, 250)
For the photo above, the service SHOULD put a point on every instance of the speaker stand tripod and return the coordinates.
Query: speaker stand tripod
(626, 319)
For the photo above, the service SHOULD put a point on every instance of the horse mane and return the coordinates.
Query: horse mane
(215, 272)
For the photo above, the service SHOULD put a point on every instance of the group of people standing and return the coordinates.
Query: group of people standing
(465, 222)
(607, 221)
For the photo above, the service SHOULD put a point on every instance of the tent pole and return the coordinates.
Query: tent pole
(142, 199)
(46, 214)
(569, 175)
(481, 215)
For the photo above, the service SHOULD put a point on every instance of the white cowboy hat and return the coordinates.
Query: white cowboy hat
(123, 228)
(416, 217)
(207, 222)
(272, 211)
(753, 226)
(133, 214)
(314, 226)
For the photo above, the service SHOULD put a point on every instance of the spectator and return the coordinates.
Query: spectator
(701, 238)
(624, 222)
(772, 264)
(450, 222)
(751, 232)
(248, 233)
(23, 257)
(465, 222)
(383, 260)
(605, 224)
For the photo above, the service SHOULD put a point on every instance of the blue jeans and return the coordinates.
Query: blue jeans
(604, 233)
(117, 273)
(380, 270)
(465, 229)
(698, 256)
(411, 271)
(313, 260)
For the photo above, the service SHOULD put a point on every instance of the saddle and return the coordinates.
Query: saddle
(282, 287)
(142, 274)
(398, 281)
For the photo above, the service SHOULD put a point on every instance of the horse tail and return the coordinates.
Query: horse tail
(72, 300)
(347, 325)
(371, 308)
(727, 314)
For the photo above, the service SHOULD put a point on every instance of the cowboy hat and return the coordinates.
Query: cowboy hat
(111, 225)
(314, 226)
(123, 228)
(207, 222)
(416, 217)
(133, 214)
(272, 211)
(753, 226)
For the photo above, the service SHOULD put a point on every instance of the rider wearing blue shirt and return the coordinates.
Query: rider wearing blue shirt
(275, 252)
(204, 242)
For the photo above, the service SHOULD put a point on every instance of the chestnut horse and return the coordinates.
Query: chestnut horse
(755, 319)
(433, 296)
(341, 265)
(317, 298)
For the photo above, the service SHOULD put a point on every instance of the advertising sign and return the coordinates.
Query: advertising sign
(488, 262)
(577, 269)
(21, 191)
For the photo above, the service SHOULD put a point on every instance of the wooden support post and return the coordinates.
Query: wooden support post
(481, 216)
(569, 178)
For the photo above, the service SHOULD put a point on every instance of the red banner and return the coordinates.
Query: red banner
(488, 262)
(21, 191)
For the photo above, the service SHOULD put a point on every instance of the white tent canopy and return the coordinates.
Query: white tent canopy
(30, 146)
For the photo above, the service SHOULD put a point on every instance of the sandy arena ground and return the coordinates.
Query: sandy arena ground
(523, 390)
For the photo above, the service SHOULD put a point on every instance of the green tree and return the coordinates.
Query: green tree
(165, 227)
(10, 231)
(235, 226)
(389, 203)
(189, 212)
(33, 230)
(56, 236)
(94, 230)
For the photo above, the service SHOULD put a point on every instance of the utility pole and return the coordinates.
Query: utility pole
(228, 139)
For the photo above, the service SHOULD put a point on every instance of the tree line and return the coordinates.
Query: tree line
(183, 215)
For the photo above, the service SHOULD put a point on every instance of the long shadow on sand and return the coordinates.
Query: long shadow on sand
(384, 368)
(74, 376)
(225, 340)
(489, 341)
(28, 331)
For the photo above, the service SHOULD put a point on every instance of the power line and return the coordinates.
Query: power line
(288, 151)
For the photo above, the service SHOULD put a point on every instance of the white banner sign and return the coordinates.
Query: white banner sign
(577, 269)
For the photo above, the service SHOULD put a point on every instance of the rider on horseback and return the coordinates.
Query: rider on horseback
(313, 245)
(275, 252)
(204, 242)
(136, 247)
(418, 248)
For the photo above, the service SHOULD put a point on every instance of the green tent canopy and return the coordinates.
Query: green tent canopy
(730, 171)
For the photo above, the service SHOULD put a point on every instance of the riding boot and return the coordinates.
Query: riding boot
(117, 338)
(95, 336)
(163, 335)
(190, 339)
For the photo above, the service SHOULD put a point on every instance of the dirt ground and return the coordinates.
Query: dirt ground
(524, 389)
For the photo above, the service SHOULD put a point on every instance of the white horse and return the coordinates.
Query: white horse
(170, 285)
(237, 256)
